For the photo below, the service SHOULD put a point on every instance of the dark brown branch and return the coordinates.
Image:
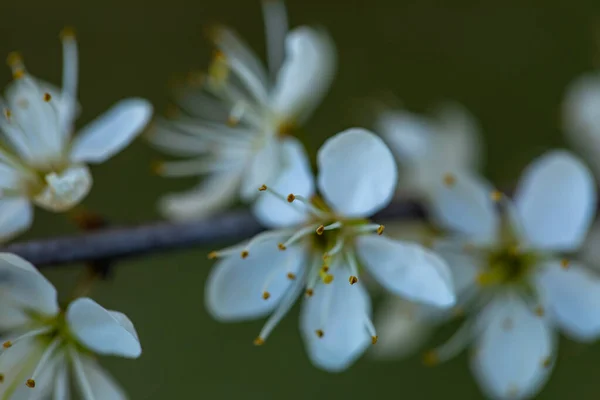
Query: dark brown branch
(122, 242)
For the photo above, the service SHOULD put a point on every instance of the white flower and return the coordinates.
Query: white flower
(237, 133)
(427, 149)
(42, 344)
(509, 271)
(581, 117)
(321, 246)
(41, 161)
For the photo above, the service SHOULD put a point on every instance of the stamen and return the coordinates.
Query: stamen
(496, 196)
(1, 378)
(236, 114)
(371, 329)
(539, 311)
(291, 276)
(285, 304)
(262, 237)
(310, 292)
(226, 251)
(352, 279)
(368, 228)
(337, 247)
(307, 230)
(47, 97)
(564, 263)
(266, 295)
(449, 180)
(325, 277)
(320, 333)
(80, 374)
(353, 265)
(36, 332)
(218, 70)
(43, 361)
(15, 62)
(291, 198)
(451, 348)
(320, 230)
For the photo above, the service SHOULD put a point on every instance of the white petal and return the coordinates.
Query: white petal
(305, 75)
(16, 215)
(408, 135)
(357, 173)
(465, 206)
(111, 132)
(402, 328)
(341, 311)
(102, 385)
(512, 351)
(213, 194)
(407, 269)
(581, 117)
(464, 265)
(65, 189)
(23, 288)
(572, 296)
(101, 330)
(263, 167)
(556, 201)
(235, 286)
(295, 177)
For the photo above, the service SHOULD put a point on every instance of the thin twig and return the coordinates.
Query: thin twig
(130, 241)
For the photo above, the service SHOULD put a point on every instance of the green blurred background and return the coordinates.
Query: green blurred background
(508, 62)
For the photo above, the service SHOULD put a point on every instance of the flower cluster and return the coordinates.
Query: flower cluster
(518, 269)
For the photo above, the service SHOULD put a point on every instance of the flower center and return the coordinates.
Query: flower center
(508, 265)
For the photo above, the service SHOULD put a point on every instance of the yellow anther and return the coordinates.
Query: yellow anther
(380, 229)
(309, 292)
(232, 121)
(7, 344)
(320, 230)
(539, 311)
(219, 70)
(325, 268)
(496, 195)
(281, 246)
(291, 198)
(320, 333)
(291, 276)
(30, 383)
(374, 339)
(564, 263)
(449, 180)
(7, 113)
(157, 167)
(14, 58)
(259, 341)
(430, 358)
(352, 279)
(47, 97)
(547, 362)
(328, 279)
(266, 295)
(262, 188)
(1, 378)
(212, 255)
(67, 33)
(244, 254)
(18, 73)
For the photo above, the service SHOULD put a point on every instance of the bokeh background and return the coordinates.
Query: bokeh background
(508, 62)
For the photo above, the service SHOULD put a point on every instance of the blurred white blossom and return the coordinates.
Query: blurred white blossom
(41, 161)
(427, 148)
(43, 344)
(239, 126)
(581, 117)
(510, 274)
(317, 247)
